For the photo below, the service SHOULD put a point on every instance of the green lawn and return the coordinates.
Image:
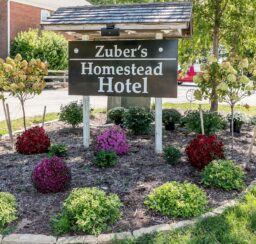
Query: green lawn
(17, 124)
(237, 225)
(222, 108)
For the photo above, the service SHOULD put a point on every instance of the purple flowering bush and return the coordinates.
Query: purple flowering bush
(113, 139)
(51, 175)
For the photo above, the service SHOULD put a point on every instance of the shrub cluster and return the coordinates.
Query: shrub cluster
(113, 139)
(203, 149)
(8, 209)
(213, 122)
(89, 210)
(170, 118)
(105, 159)
(138, 120)
(59, 150)
(171, 155)
(51, 175)
(116, 115)
(223, 174)
(33, 141)
(175, 199)
(45, 45)
(72, 114)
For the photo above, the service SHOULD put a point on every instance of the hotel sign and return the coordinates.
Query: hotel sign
(123, 68)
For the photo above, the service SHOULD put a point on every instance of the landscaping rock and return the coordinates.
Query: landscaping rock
(151, 229)
(108, 238)
(77, 240)
(221, 209)
(182, 224)
(28, 239)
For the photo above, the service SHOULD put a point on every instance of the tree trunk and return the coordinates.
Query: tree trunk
(232, 130)
(24, 113)
(216, 36)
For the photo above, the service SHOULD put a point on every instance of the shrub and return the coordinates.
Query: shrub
(33, 141)
(51, 175)
(170, 118)
(113, 139)
(89, 210)
(72, 114)
(239, 118)
(223, 174)
(203, 149)
(138, 120)
(171, 155)
(175, 199)
(116, 115)
(253, 120)
(46, 45)
(105, 159)
(8, 209)
(213, 122)
(59, 150)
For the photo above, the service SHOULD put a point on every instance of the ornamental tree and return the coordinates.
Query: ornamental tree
(24, 79)
(235, 79)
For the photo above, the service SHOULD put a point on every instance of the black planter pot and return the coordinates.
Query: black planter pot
(170, 126)
(237, 127)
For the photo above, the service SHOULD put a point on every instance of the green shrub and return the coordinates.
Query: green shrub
(223, 174)
(175, 199)
(45, 45)
(89, 210)
(253, 120)
(105, 159)
(8, 209)
(138, 120)
(72, 114)
(239, 118)
(59, 150)
(171, 155)
(116, 115)
(171, 116)
(213, 122)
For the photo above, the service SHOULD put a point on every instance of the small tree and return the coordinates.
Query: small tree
(233, 82)
(236, 84)
(3, 86)
(25, 79)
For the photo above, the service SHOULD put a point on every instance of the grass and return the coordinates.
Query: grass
(222, 108)
(237, 225)
(17, 124)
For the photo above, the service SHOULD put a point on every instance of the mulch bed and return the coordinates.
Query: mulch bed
(132, 179)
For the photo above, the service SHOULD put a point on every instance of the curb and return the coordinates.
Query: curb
(108, 238)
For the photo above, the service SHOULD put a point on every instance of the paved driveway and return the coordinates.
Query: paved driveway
(53, 99)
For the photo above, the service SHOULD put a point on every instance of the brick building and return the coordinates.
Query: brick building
(26, 14)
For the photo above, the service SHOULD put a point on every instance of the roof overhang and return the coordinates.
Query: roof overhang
(140, 21)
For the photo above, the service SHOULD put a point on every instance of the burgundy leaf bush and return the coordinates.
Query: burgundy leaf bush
(33, 141)
(51, 175)
(203, 149)
(113, 139)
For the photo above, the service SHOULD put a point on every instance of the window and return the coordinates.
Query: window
(44, 15)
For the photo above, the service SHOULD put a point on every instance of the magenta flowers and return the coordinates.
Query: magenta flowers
(113, 139)
(51, 175)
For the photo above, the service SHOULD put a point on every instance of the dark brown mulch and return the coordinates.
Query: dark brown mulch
(135, 176)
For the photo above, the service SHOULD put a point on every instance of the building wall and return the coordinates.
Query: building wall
(24, 17)
(3, 28)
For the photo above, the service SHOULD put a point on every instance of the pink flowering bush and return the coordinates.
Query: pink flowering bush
(113, 139)
(51, 175)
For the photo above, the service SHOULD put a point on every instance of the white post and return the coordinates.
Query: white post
(158, 126)
(158, 117)
(86, 121)
(86, 113)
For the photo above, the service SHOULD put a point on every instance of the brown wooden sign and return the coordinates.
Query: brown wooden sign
(123, 68)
